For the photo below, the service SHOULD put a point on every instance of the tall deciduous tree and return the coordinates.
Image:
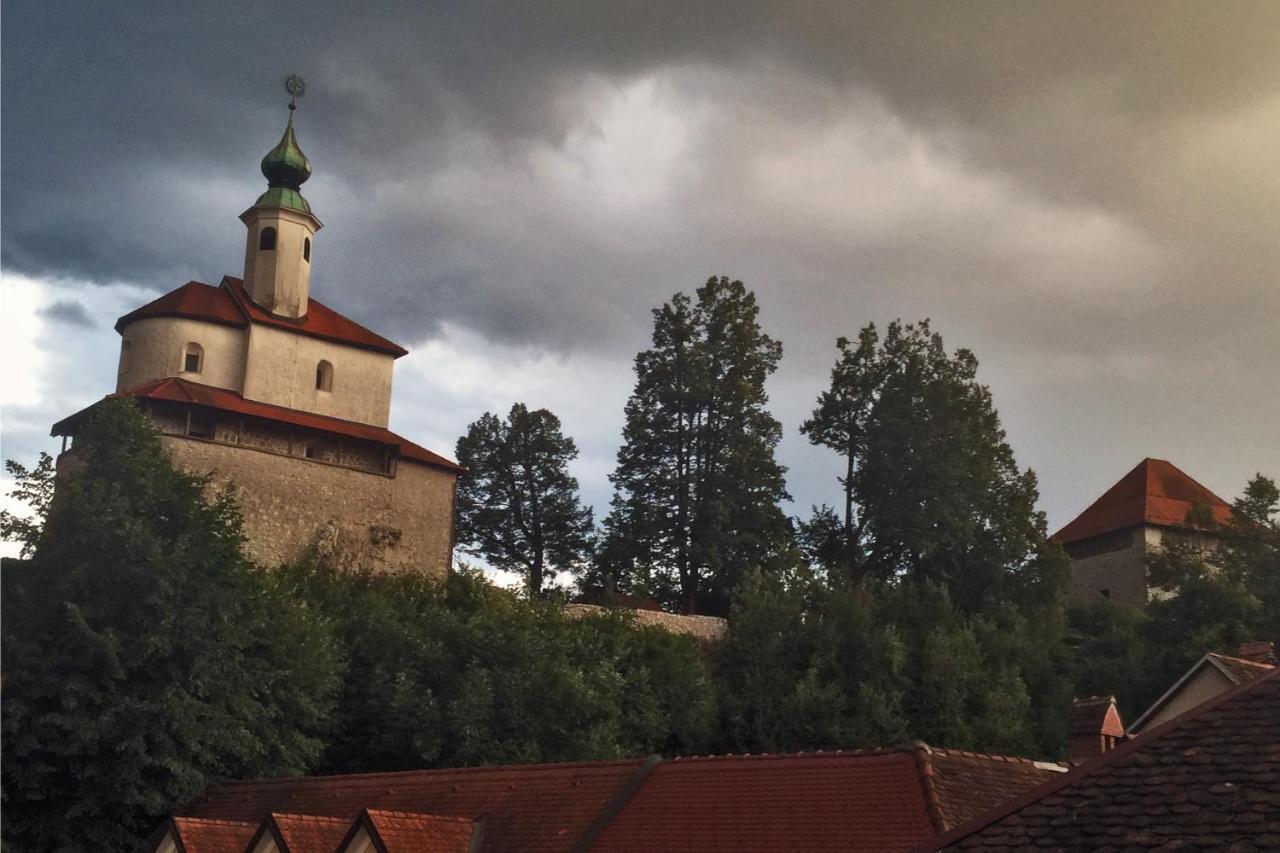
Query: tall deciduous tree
(143, 658)
(518, 505)
(697, 486)
(931, 489)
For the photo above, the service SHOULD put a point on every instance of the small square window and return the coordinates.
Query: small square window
(192, 364)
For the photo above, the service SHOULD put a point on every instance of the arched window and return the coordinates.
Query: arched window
(267, 240)
(193, 358)
(324, 376)
(306, 249)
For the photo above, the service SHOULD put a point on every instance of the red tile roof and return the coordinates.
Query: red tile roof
(968, 784)
(321, 321)
(197, 835)
(1209, 779)
(529, 808)
(882, 800)
(229, 304)
(846, 801)
(298, 833)
(177, 390)
(193, 300)
(405, 832)
(1155, 492)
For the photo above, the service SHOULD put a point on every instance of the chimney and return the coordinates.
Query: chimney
(1258, 651)
(1094, 727)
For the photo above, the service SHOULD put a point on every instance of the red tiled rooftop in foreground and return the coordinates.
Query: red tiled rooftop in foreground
(177, 390)
(1206, 780)
(532, 808)
(1155, 492)
(229, 304)
(882, 800)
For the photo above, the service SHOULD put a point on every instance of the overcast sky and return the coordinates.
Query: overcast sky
(1085, 194)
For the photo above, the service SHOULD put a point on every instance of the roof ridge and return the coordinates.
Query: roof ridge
(1089, 768)
(316, 817)
(381, 774)
(992, 756)
(923, 756)
(813, 753)
(1250, 662)
(419, 815)
(220, 821)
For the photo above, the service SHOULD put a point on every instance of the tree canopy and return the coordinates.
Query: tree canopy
(143, 658)
(697, 488)
(518, 506)
(931, 488)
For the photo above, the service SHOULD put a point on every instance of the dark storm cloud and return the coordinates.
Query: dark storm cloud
(1087, 194)
(116, 114)
(68, 312)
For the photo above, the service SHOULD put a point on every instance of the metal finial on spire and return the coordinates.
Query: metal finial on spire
(296, 87)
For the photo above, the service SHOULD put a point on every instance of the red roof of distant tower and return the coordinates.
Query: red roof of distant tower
(1155, 492)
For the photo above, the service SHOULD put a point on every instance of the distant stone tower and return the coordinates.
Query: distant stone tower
(264, 387)
(1108, 543)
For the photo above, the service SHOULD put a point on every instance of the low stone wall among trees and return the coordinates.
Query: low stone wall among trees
(708, 629)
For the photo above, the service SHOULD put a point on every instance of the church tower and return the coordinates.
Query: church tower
(277, 252)
(255, 383)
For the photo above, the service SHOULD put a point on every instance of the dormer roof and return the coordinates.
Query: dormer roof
(407, 832)
(229, 304)
(1095, 715)
(299, 833)
(205, 835)
(1155, 492)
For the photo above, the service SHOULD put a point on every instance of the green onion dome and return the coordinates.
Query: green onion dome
(286, 168)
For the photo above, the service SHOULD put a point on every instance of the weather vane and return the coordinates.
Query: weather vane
(295, 86)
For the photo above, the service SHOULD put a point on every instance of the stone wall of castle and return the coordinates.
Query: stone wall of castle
(347, 518)
(1112, 567)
